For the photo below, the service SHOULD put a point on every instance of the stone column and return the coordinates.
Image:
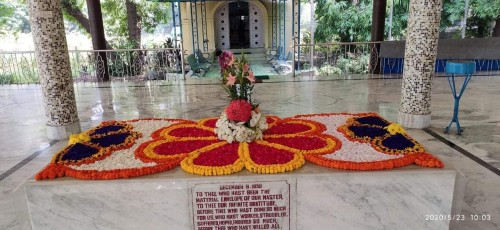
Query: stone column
(53, 68)
(419, 62)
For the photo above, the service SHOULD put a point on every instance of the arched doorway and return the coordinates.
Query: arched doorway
(239, 25)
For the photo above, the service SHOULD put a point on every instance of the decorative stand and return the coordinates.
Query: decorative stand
(462, 68)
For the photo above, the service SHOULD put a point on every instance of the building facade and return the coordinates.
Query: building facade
(211, 25)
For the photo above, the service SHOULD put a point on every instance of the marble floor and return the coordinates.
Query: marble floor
(25, 149)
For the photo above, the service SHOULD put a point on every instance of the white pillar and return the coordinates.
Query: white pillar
(419, 62)
(54, 69)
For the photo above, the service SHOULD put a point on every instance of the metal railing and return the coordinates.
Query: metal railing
(18, 68)
(93, 65)
(336, 59)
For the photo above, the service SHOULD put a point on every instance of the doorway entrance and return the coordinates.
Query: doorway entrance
(239, 33)
(239, 25)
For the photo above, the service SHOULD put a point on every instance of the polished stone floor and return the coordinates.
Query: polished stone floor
(25, 149)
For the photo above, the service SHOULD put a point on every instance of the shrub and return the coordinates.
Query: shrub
(327, 69)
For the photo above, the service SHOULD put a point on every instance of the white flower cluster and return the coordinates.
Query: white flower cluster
(351, 150)
(237, 131)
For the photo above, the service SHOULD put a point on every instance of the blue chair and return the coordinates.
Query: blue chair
(452, 69)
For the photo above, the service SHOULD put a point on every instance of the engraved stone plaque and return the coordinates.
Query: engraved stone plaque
(241, 205)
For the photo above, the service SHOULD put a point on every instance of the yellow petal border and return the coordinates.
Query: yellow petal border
(188, 163)
(297, 161)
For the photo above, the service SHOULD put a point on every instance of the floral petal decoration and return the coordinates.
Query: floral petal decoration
(107, 153)
(104, 139)
(219, 159)
(368, 129)
(78, 153)
(282, 150)
(123, 149)
(367, 145)
(261, 157)
(372, 120)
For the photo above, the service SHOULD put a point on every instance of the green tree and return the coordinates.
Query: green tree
(399, 19)
(123, 20)
(489, 10)
(73, 11)
(482, 15)
(13, 18)
(349, 20)
(6, 12)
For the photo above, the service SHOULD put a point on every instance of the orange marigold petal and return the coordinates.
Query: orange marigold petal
(122, 173)
(428, 160)
(362, 166)
(51, 171)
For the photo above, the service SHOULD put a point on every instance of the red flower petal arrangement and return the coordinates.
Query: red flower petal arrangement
(279, 151)
(139, 147)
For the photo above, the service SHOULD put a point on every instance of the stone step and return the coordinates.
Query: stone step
(257, 59)
(249, 51)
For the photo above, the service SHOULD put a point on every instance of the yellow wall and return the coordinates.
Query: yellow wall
(186, 26)
(211, 8)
